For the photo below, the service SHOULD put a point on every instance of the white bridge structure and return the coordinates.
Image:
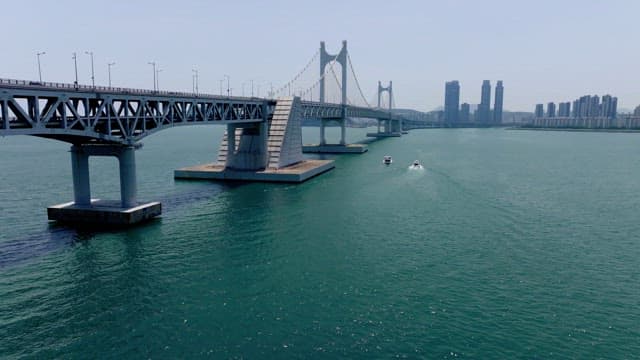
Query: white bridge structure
(266, 141)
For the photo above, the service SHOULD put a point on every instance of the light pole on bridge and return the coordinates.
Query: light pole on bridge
(228, 89)
(195, 81)
(109, 65)
(39, 68)
(153, 63)
(158, 79)
(75, 64)
(93, 78)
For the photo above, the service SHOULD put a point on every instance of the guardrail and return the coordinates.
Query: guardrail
(45, 85)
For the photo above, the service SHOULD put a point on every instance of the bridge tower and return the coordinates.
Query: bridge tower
(325, 59)
(389, 90)
(389, 126)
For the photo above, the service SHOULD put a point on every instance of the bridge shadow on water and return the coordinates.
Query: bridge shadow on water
(56, 236)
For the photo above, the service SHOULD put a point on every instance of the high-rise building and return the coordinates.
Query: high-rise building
(465, 113)
(594, 106)
(497, 105)
(484, 109)
(588, 106)
(551, 110)
(451, 101)
(564, 109)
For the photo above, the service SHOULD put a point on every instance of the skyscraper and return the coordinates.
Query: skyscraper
(465, 113)
(451, 101)
(539, 110)
(497, 105)
(551, 110)
(484, 109)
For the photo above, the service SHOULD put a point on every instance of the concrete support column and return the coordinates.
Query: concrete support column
(5, 114)
(231, 143)
(80, 173)
(323, 139)
(128, 187)
(343, 131)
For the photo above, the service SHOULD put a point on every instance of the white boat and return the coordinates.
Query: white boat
(416, 165)
(387, 160)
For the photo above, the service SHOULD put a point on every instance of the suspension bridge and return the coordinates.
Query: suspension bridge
(262, 141)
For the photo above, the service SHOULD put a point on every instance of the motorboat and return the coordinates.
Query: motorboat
(416, 165)
(387, 160)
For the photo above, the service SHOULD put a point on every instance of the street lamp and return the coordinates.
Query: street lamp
(195, 81)
(153, 63)
(158, 79)
(39, 69)
(93, 79)
(109, 65)
(251, 87)
(75, 64)
(228, 89)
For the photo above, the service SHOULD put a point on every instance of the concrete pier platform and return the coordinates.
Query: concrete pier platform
(103, 212)
(295, 173)
(383, 135)
(335, 149)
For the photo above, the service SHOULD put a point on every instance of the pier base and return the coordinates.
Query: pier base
(383, 135)
(103, 212)
(335, 149)
(295, 173)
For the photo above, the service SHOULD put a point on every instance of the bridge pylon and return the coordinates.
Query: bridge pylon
(390, 126)
(342, 147)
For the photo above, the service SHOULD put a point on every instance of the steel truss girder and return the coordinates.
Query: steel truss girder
(109, 117)
(315, 110)
(125, 116)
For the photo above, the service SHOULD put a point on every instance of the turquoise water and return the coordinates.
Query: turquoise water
(510, 244)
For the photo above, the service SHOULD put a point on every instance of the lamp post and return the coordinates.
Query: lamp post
(39, 68)
(195, 81)
(158, 79)
(153, 63)
(228, 89)
(109, 65)
(75, 64)
(251, 87)
(93, 79)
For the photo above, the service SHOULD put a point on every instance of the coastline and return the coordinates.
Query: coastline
(577, 130)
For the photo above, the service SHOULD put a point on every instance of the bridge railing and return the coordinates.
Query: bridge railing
(46, 85)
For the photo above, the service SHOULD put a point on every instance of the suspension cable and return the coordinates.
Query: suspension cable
(288, 84)
(357, 82)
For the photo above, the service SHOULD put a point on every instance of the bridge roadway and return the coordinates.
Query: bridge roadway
(81, 114)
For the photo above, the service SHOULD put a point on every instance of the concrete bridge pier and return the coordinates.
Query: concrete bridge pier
(86, 210)
(387, 128)
(270, 150)
(341, 147)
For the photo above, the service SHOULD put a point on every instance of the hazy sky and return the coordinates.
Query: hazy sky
(543, 50)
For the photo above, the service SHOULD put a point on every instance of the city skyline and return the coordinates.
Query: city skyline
(122, 35)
